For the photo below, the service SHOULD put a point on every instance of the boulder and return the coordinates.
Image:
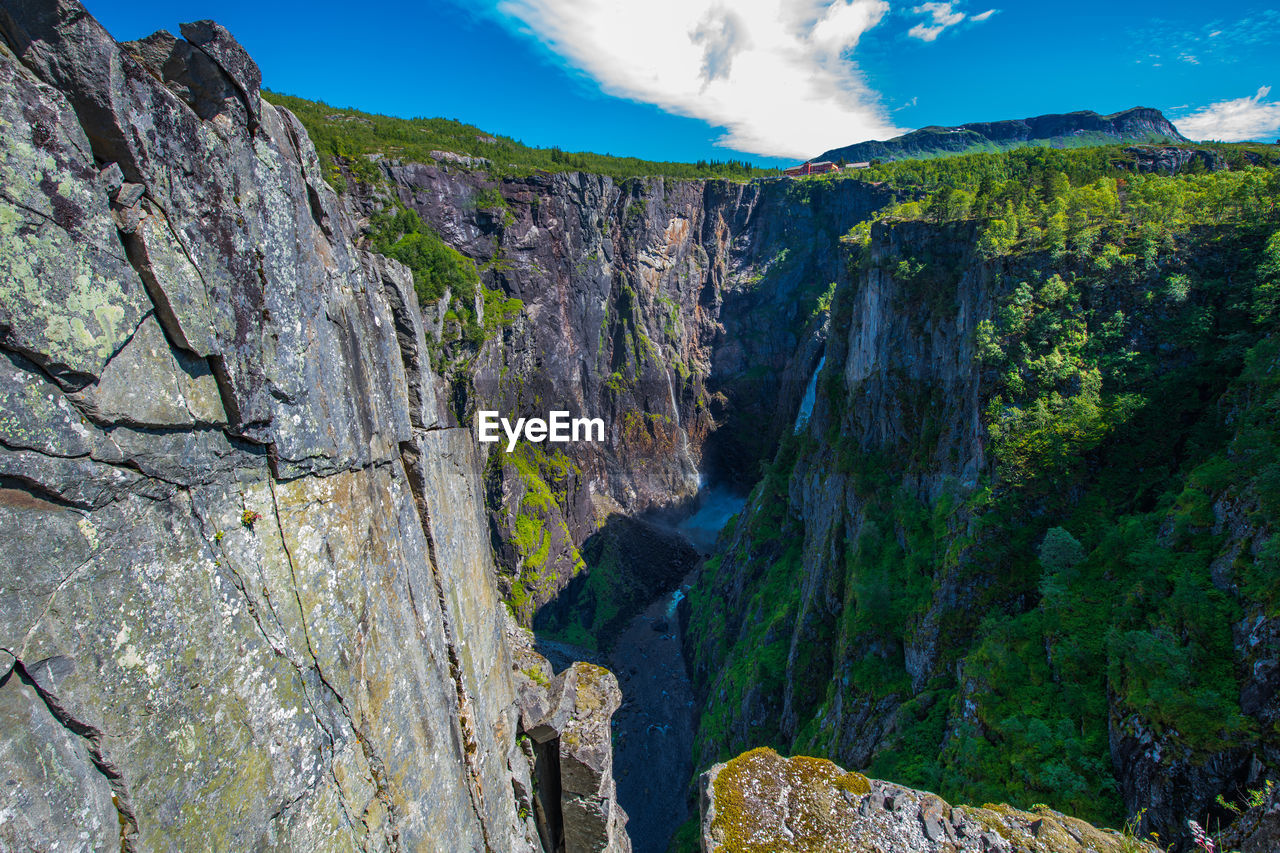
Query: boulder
(762, 801)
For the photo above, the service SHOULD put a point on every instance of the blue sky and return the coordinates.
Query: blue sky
(765, 80)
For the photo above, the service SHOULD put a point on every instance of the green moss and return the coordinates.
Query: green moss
(853, 783)
(539, 523)
(537, 676)
(766, 803)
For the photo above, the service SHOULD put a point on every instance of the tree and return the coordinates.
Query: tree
(1266, 294)
(1060, 550)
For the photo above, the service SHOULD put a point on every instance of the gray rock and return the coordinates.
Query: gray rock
(764, 800)
(213, 39)
(195, 77)
(53, 796)
(35, 414)
(68, 297)
(569, 721)
(128, 195)
(249, 601)
(425, 411)
(149, 384)
(111, 179)
(545, 711)
(593, 820)
(175, 285)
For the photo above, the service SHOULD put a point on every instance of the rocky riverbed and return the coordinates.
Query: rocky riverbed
(653, 730)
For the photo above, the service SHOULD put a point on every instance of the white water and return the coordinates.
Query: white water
(674, 605)
(810, 396)
(675, 408)
(716, 505)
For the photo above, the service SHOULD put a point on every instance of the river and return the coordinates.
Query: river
(653, 730)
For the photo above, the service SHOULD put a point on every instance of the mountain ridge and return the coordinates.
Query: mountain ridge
(1059, 130)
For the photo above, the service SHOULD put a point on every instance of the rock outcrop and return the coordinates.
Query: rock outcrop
(565, 720)
(761, 801)
(248, 599)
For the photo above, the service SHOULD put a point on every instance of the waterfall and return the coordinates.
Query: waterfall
(810, 395)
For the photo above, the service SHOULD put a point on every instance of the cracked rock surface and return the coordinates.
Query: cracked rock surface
(247, 600)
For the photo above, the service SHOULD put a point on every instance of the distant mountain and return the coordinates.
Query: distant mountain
(1065, 130)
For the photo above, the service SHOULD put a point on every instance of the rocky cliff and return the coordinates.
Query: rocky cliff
(1064, 130)
(967, 572)
(685, 314)
(248, 599)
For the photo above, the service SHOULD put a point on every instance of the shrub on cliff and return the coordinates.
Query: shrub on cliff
(401, 234)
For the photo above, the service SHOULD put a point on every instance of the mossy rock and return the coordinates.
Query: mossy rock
(765, 803)
(762, 802)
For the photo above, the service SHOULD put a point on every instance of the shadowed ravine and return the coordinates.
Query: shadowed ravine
(653, 730)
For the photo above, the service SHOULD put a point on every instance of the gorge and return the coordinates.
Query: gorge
(962, 476)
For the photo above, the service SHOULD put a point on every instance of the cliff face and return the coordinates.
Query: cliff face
(684, 314)
(889, 598)
(898, 385)
(248, 600)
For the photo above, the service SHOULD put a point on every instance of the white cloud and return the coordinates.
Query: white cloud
(1234, 121)
(778, 75)
(943, 16)
(1215, 43)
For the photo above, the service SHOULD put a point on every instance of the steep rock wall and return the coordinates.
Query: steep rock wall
(682, 313)
(248, 599)
(914, 544)
(899, 384)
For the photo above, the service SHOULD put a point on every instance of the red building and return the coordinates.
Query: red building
(811, 168)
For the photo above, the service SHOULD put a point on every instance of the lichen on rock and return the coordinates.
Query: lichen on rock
(761, 802)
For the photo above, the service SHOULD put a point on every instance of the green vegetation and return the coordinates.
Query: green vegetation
(401, 234)
(757, 654)
(438, 268)
(537, 676)
(1125, 521)
(544, 477)
(688, 838)
(1253, 798)
(354, 135)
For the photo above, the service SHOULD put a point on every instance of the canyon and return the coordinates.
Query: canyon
(266, 588)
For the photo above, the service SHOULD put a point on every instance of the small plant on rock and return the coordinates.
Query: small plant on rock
(249, 517)
(1201, 838)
